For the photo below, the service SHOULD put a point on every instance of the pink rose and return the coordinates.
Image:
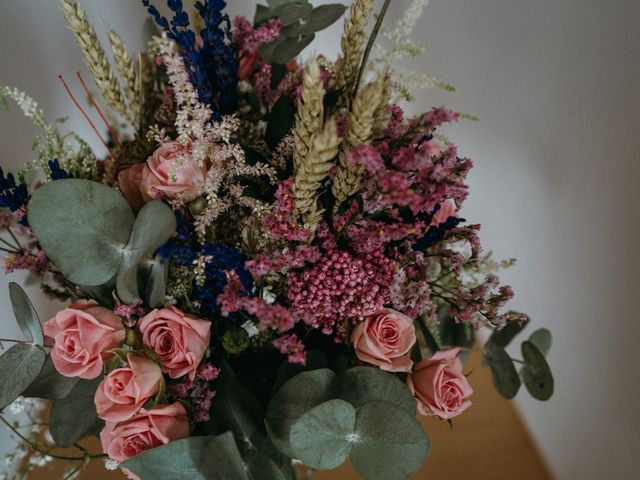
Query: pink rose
(157, 181)
(149, 429)
(83, 334)
(447, 209)
(123, 392)
(384, 339)
(179, 339)
(129, 181)
(439, 385)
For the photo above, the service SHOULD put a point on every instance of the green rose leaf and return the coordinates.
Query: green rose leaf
(388, 444)
(292, 12)
(536, 373)
(19, 366)
(502, 338)
(83, 227)
(74, 416)
(261, 467)
(361, 385)
(195, 458)
(25, 314)
(542, 339)
(503, 371)
(50, 384)
(322, 437)
(293, 400)
(318, 19)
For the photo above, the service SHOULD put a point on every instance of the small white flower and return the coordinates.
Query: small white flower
(251, 328)
(111, 464)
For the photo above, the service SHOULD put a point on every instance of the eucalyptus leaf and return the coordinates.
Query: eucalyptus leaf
(502, 338)
(542, 339)
(503, 371)
(74, 416)
(103, 294)
(194, 458)
(261, 467)
(263, 14)
(318, 19)
(273, 4)
(25, 314)
(50, 384)
(361, 385)
(294, 399)
(83, 227)
(536, 374)
(388, 443)
(19, 366)
(155, 281)
(322, 437)
(289, 48)
(292, 12)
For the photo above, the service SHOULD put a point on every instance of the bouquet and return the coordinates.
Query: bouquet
(267, 266)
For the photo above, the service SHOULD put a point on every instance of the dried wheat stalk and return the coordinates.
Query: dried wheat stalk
(310, 112)
(128, 72)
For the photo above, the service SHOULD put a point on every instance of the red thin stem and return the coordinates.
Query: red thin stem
(102, 117)
(11, 340)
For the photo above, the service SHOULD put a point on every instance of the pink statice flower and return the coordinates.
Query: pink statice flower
(248, 39)
(281, 222)
(293, 347)
(281, 261)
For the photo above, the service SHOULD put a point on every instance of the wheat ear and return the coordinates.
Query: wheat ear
(310, 112)
(95, 57)
(128, 72)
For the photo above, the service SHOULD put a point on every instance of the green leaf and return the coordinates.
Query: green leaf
(502, 338)
(25, 314)
(536, 373)
(504, 373)
(155, 277)
(75, 416)
(388, 444)
(542, 339)
(322, 437)
(83, 227)
(103, 294)
(19, 366)
(318, 19)
(262, 14)
(281, 121)
(292, 12)
(361, 385)
(195, 458)
(261, 467)
(294, 399)
(50, 384)
(286, 49)
(316, 359)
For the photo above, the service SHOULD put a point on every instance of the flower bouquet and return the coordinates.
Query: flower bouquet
(267, 265)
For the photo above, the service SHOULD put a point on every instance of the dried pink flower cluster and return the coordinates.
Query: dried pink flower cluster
(248, 39)
(293, 347)
(281, 222)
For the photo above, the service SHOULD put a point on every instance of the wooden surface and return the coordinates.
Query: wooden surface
(487, 442)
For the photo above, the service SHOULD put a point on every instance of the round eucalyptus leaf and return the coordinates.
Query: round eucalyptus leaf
(25, 314)
(542, 339)
(362, 385)
(261, 467)
(295, 398)
(74, 416)
(19, 366)
(503, 371)
(389, 444)
(502, 338)
(322, 437)
(536, 373)
(50, 384)
(292, 12)
(83, 227)
(155, 282)
(290, 48)
(318, 19)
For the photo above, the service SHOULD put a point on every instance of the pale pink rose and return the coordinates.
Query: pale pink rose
(129, 181)
(431, 149)
(157, 178)
(447, 209)
(149, 429)
(124, 390)
(83, 334)
(385, 339)
(439, 385)
(179, 339)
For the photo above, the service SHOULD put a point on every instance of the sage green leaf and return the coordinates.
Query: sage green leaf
(322, 437)
(262, 14)
(83, 227)
(315, 359)
(261, 467)
(25, 314)
(502, 338)
(536, 373)
(74, 416)
(50, 384)
(273, 4)
(542, 339)
(289, 49)
(294, 399)
(361, 385)
(103, 294)
(318, 19)
(292, 12)
(19, 366)
(155, 274)
(503, 371)
(195, 458)
(388, 443)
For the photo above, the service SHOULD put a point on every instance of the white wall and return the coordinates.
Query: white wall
(555, 184)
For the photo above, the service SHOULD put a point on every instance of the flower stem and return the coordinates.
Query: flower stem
(15, 239)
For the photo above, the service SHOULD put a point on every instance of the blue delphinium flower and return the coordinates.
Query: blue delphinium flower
(12, 196)
(57, 172)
